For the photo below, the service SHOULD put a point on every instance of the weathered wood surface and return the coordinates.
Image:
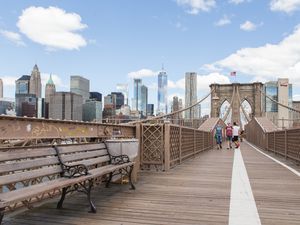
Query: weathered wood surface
(276, 189)
(196, 192)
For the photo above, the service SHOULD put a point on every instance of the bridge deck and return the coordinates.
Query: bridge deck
(196, 192)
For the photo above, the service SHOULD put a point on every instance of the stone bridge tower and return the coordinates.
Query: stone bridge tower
(232, 93)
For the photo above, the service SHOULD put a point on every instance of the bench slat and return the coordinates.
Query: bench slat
(79, 148)
(27, 164)
(15, 154)
(83, 155)
(21, 176)
(12, 197)
(91, 162)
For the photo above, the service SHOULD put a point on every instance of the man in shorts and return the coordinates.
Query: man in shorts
(235, 134)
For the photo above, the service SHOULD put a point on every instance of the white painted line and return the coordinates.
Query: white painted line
(275, 160)
(243, 209)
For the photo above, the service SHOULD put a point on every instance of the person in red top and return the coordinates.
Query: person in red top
(229, 130)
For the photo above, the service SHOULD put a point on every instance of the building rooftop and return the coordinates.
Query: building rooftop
(24, 77)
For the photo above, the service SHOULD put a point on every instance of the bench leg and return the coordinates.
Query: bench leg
(1, 214)
(62, 198)
(93, 208)
(109, 180)
(130, 179)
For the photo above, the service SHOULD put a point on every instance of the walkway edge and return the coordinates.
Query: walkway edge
(275, 160)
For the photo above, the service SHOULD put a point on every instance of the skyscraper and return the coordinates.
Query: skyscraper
(65, 105)
(136, 101)
(124, 89)
(1, 88)
(80, 86)
(35, 87)
(23, 98)
(162, 98)
(119, 99)
(191, 95)
(144, 100)
(49, 89)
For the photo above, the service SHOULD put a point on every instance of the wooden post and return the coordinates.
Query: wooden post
(167, 146)
(274, 143)
(267, 141)
(137, 164)
(180, 143)
(195, 143)
(285, 144)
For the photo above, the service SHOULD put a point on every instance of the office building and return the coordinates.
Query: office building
(81, 86)
(144, 100)
(191, 95)
(35, 84)
(6, 106)
(119, 99)
(136, 101)
(92, 111)
(279, 91)
(150, 109)
(162, 97)
(22, 95)
(109, 110)
(49, 89)
(1, 88)
(65, 106)
(124, 89)
(96, 96)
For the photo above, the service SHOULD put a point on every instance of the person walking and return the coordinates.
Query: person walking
(229, 130)
(235, 133)
(219, 134)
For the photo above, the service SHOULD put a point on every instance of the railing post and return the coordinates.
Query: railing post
(194, 143)
(285, 144)
(274, 143)
(267, 141)
(167, 146)
(137, 165)
(180, 144)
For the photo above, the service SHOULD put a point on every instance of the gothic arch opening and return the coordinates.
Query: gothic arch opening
(248, 111)
(224, 111)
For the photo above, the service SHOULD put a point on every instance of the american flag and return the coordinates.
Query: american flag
(233, 73)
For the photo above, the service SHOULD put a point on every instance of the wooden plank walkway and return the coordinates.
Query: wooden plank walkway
(196, 192)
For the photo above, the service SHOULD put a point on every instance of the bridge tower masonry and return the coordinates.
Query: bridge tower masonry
(235, 94)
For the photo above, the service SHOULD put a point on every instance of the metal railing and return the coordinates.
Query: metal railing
(282, 142)
(164, 146)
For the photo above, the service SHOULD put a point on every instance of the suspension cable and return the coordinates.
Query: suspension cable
(173, 113)
(285, 106)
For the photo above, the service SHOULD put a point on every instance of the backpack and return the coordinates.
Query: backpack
(229, 130)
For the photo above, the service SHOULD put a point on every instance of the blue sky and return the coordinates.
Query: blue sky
(112, 41)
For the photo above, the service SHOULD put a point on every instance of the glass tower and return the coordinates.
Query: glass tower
(162, 98)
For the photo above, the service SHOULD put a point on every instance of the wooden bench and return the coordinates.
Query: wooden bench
(34, 174)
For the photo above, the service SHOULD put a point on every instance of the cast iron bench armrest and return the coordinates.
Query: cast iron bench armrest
(119, 159)
(77, 170)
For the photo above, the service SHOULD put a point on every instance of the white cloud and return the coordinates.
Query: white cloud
(56, 80)
(142, 73)
(268, 62)
(195, 6)
(13, 37)
(296, 98)
(238, 1)
(223, 21)
(52, 27)
(203, 81)
(9, 81)
(285, 5)
(248, 26)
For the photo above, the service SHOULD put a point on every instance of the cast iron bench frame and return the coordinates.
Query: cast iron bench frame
(76, 176)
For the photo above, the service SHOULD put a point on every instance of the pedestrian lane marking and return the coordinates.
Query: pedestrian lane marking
(243, 210)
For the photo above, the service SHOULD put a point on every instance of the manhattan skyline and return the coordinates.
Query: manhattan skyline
(111, 42)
